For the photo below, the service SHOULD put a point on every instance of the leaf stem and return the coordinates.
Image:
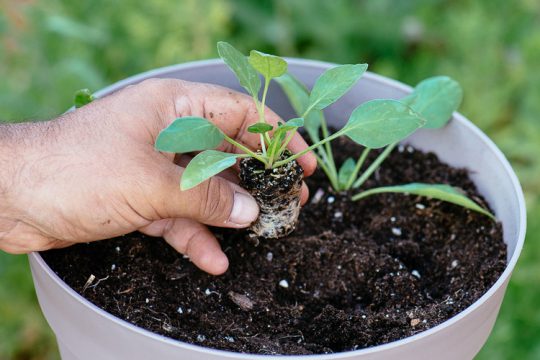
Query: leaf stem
(374, 165)
(308, 149)
(246, 150)
(328, 147)
(359, 164)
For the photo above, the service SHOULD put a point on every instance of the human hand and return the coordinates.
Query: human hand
(94, 174)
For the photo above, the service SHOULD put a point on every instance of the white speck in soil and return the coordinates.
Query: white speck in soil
(185, 256)
(117, 249)
(396, 231)
(201, 338)
(338, 215)
(401, 148)
(318, 196)
(229, 339)
(180, 310)
(207, 292)
(364, 316)
(410, 149)
(339, 267)
(420, 206)
(331, 199)
(269, 256)
(393, 219)
(416, 274)
(147, 300)
(454, 263)
(113, 267)
(453, 237)
(284, 283)
(424, 321)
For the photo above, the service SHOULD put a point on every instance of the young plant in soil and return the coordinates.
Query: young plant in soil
(435, 99)
(271, 173)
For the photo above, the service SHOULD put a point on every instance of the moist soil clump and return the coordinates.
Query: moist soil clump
(277, 191)
(352, 275)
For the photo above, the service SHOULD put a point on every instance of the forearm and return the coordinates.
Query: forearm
(8, 170)
(17, 144)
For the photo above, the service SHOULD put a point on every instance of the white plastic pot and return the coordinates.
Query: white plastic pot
(86, 332)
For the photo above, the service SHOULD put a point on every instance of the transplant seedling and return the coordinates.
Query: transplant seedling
(271, 173)
(435, 99)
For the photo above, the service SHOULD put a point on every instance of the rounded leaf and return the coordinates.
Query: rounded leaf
(189, 134)
(260, 128)
(435, 99)
(378, 123)
(238, 63)
(270, 66)
(333, 84)
(204, 166)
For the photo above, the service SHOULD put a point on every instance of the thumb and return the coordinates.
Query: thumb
(216, 202)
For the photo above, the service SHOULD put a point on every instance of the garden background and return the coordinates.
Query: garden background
(48, 49)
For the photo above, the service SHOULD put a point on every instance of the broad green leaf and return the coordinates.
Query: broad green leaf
(333, 84)
(288, 126)
(378, 123)
(239, 64)
(435, 99)
(260, 128)
(299, 97)
(82, 97)
(296, 122)
(345, 172)
(435, 191)
(204, 166)
(188, 134)
(270, 66)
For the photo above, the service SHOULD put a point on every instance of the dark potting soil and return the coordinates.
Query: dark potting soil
(353, 274)
(277, 192)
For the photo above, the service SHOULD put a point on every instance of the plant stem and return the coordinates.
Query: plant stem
(308, 149)
(287, 140)
(328, 146)
(359, 164)
(246, 150)
(375, 165)
(322, 164)
(263, 145)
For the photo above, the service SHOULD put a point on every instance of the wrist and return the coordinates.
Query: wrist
(8, 162)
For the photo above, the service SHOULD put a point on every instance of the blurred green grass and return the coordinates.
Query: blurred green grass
(47, 50)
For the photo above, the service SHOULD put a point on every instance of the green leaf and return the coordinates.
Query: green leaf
(299, 98)
(204, 166)
(435, 99)
(82, 97)
(239, 64)
(296, 122)
(269, 66)
(378, 123)
(345, 172)
(333, 84)
(435, 191)
(288, 126)
(260, 128)
(188, 134)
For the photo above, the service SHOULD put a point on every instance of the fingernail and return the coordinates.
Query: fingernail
(245, 210)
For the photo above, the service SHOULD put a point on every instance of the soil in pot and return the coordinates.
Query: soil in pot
(352, 275)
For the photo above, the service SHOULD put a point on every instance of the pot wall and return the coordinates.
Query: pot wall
(87, 332)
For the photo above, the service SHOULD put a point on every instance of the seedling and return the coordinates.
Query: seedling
(374, 124)
(434, 99)
(82, 97)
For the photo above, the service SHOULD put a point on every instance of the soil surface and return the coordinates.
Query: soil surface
(352, 275)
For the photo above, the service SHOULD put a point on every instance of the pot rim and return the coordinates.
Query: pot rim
(518, 193)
